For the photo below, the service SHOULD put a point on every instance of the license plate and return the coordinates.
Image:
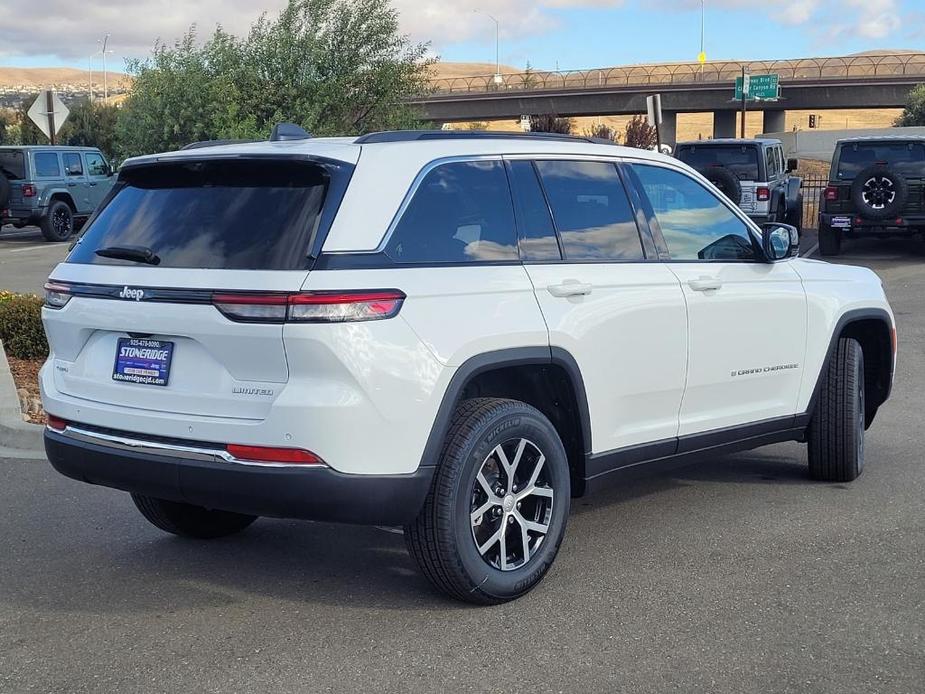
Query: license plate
(143, 361)
(841, 222)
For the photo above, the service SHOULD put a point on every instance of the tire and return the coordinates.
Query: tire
(879, 193)
(58, 222)
(829, 241)
(725, 180)
(836, 430)
(4, 191)
(187, 520)
(443, 540)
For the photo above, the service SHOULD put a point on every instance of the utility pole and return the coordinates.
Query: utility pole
(701, 57)
(90, 76)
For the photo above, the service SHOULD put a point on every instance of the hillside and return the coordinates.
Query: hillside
(35, 78)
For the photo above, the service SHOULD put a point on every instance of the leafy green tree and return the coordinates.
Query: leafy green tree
(639, 133)
(91, 125)
(27, 132)
(335, 67)
(6, 122)
(550, 123)
(914, 113)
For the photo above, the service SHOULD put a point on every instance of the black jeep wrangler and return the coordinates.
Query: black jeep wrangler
(876, 188)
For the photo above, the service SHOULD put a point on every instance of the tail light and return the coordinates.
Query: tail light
(56, 295)
(831, 193)
(310, 307)
(270, 455)
(763, 194)
(28, 190)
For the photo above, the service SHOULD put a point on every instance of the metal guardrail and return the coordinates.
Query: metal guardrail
(869, 66)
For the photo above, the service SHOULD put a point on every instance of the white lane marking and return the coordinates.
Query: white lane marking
(28, 248)
(810, 251)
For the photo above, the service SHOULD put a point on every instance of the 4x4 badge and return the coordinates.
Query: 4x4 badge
(129, 293)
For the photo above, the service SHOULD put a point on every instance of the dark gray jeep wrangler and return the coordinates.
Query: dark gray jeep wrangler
(52, 187)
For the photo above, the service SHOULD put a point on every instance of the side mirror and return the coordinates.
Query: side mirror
(792, 165)
(780, 241)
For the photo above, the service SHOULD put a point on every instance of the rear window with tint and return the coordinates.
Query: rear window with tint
(12, 165)
(742, 160)
(219, 214)
(906, 158)
(46, 164)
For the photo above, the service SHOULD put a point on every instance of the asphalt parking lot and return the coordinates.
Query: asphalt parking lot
(26, 259)
(737, 575)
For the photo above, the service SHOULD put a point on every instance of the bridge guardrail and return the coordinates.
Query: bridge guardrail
(888, 65)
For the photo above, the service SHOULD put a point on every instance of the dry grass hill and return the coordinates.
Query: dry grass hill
(36, 78)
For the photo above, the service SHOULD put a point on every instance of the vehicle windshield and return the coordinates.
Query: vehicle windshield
(742, 160)
(12, 164)
(218, 214)
(906, 158)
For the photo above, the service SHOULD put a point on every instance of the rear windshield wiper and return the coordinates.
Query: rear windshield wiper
(138, 254)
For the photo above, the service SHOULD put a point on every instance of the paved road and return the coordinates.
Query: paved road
(738, 575)
(26, 259)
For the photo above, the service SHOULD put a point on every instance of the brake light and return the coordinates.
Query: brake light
(28, 190)
(763, 194)
(310, 307)
(56, 295)
(55, 423)
(831, 193)
(269, 454)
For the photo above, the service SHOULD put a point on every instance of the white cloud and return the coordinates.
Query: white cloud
(136, 24)
(878, 18)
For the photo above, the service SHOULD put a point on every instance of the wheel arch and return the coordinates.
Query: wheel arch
(546, 378)
(873, 329)
(65, 197)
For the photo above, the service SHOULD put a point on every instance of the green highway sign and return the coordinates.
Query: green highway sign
(760, 88)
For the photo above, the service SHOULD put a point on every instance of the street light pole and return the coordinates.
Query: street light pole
(90, 76)
(103, 52)
(498, 79)
(701, 54)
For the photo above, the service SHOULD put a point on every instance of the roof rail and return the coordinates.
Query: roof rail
(214, 143)
(415, 135)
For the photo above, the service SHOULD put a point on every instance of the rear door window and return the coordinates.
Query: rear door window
(12, 165)
(218, 214)
(72, 164)
(591, 210)
(96, 165)
(46, 164)
(460, 213)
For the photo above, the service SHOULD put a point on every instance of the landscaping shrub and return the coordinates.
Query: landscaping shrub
(21, 326)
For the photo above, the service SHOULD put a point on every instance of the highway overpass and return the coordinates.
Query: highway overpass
(852, 82)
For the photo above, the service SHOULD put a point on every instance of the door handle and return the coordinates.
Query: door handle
(569, 288)
(92, 183)
(705, 284)
(71, 185)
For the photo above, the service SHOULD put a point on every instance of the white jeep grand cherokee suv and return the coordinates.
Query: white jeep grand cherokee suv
(451, 332)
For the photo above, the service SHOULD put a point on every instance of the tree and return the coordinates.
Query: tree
(549, 123)
(602, 131)
(639, 133)
(335, 67)
(27, 132)
(91, 125)
(914, 113)
(6, 123)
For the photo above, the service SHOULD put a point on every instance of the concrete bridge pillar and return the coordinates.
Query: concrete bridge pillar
(669, 128)
(774, 121)
(724, 124)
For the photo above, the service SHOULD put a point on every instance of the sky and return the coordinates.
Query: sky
(550, 34)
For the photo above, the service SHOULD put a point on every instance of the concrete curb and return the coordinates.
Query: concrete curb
(15, 432)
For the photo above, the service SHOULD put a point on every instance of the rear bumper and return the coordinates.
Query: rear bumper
(310, 493)
(857, 226)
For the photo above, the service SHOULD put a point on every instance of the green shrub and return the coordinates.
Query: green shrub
(21, 326)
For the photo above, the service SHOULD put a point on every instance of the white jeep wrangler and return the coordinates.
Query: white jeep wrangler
(451, 332)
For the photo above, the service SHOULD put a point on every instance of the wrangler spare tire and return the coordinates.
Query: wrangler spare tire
(879, 193)
(4, 191)
(725, 180)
